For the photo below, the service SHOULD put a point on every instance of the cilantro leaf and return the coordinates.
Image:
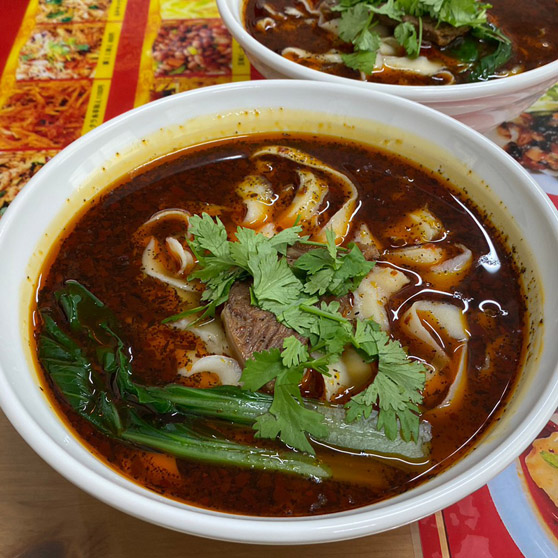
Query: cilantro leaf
(312, 261)
(287, 418)
(208, 235)
(319, 282)
(274, 280)
(367, 41)
(362, 61)
(294, 352)
(391, 9)
(261, 369)
(406, 35)
(286, 238)
(354, 21)
(352, 268)
(365, 339)
(395, 389)
(292, 295)
(462, 12)
(359, 17)
(331, 329)
(293, 316)
(328, 272)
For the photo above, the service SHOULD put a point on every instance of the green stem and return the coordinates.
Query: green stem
(178, 440)
(316, 311)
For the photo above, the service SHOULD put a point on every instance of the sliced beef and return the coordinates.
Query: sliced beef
(250, 329)
(441, 34)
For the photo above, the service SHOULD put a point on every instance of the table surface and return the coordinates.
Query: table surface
(45, 516)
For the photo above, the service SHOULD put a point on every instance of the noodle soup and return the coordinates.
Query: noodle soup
(281, 325)
(405, 43)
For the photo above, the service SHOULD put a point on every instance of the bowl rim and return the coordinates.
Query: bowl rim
(237, 528)
(422, 93)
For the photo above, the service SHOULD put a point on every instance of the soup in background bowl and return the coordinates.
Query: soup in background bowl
(296, 136)
(494, 73)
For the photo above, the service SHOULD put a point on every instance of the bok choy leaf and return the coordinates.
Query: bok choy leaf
(83, 382)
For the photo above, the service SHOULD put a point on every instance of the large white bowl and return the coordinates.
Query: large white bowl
(498, 184)
(480, 105)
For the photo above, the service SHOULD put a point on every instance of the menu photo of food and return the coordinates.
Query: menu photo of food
(43, 115)
(526, 495)
(186, 46)
(188, 9)
(72, 11)
(60, 52)
(16, 169)
(540, 465)
(192, 47)
(532, 140)
(56, 81)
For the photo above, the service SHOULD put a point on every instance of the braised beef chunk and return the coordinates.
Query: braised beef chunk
(250, 329)
(441, 34)
(369, 251)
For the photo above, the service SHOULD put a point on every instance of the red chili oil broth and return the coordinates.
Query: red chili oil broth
(98, 250)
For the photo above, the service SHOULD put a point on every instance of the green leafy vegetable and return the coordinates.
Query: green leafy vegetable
(395, 389)
(406, 35)
(239, 406)
(287, 418)
(487, 65)
(465, 49)
(326, 271)
(181, 440)
(77, 378)
(85, 383)
(289, 291)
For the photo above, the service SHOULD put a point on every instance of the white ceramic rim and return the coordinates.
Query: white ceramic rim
(304, 530)
(422, 94)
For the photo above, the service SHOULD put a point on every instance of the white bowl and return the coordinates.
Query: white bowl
(480, 105)
(498, 184)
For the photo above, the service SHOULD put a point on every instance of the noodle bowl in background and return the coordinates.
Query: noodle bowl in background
(481, 105)
(304, 107)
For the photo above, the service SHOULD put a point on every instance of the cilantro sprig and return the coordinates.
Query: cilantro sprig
(292, 293)
(359, 19)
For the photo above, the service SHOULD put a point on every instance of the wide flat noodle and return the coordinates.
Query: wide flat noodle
(436, 325)
(340, 222)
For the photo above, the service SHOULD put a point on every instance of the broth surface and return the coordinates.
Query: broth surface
(103, 251)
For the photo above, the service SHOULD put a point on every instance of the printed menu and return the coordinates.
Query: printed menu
(76, 63)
